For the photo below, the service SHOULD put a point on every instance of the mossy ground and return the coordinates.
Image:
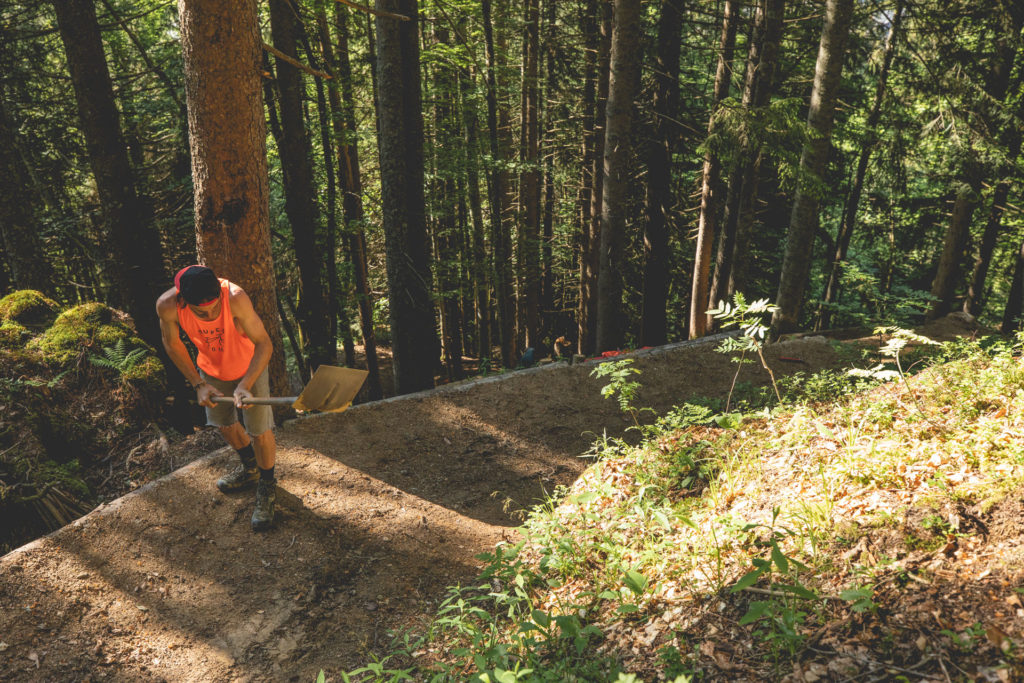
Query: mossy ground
(29, 309)
(69, 398)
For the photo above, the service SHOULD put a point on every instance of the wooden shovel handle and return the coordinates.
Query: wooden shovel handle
(259, 401)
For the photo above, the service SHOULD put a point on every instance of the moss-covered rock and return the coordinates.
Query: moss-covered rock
(13, 335)
(29, 309)
(91, 326)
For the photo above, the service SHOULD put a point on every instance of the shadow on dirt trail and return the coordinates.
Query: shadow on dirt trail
(380, 509)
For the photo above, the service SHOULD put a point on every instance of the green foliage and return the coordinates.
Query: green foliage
(118, 357)
(780, 617)
(620, 385)
(867, 302)
(83, 328)
(28, 309)
(750, 319)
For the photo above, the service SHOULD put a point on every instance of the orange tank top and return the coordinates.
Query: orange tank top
(224, 351)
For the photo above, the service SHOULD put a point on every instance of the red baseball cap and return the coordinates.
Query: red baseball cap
(197, 285)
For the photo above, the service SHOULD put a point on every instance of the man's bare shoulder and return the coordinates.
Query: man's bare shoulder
(237, 295)
(167, 302)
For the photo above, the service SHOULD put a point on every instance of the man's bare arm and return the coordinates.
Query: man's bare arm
(170, 335)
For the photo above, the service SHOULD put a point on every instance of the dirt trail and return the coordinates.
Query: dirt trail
(380, 508)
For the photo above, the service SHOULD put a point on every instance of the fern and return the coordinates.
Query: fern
(118, 357)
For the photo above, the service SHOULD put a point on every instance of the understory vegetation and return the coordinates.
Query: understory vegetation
(860, 529)
(78, 389)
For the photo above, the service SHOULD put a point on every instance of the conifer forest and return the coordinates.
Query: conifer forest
(456, 180)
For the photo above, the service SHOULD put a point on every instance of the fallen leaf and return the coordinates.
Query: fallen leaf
(995, 635)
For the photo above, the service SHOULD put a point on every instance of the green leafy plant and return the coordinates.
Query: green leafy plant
(118, 357)
(620, 385)
(860, 599)
(750, 319)
(893, 348)
(780, 616)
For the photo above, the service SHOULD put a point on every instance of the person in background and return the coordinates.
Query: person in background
(234, 352)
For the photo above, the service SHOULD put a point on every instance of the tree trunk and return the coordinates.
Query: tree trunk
(410, 282)
(1015, 298)
(711, 185)
(330, 238)
(846, 228)
(804, 219)
(654, 325)
(227, 131)
(350, 184)
(947, 275)
(590, 260)
(138, 273)
(760, 84)
(499, 237)
(623, 86)
(446, 232)
(529, 180)
(301, 206)
(548, 115)
(478, 268)
(974, 302)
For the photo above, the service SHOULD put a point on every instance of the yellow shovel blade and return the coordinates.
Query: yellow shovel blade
(331, 389)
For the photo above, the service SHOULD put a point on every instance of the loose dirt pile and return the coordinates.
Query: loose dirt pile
(380, 508)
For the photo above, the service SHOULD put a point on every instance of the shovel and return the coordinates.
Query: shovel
(330, 390)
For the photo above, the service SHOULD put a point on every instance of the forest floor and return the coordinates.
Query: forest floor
(380, 509)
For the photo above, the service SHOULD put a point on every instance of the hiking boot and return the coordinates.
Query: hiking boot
(238, 479)
(263, 515)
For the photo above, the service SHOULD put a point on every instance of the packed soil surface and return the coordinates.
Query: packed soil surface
(380, 508)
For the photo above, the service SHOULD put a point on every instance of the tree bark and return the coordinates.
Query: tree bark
(446, 229)
(975, 299)
(947, 275)
(848, 224)
(479, 270)
(222, 51)
(711, 184)
(350, 185)
(590, 260)
(529, 179)
(407, 245)
(314, 314)
(499, 237)
(1012, 321)
(804, 219)
(623, 86)
(138, 273)
(549, 117)
(743, 188)
(654, 324)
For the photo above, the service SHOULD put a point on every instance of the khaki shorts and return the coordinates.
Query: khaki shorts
(256, 419)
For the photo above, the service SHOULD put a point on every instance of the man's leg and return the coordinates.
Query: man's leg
(266, 449)
(244, 475)
(236, 436)
(259, 422)
(266, 489)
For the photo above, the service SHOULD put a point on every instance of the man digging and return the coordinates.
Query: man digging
(234, 351)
